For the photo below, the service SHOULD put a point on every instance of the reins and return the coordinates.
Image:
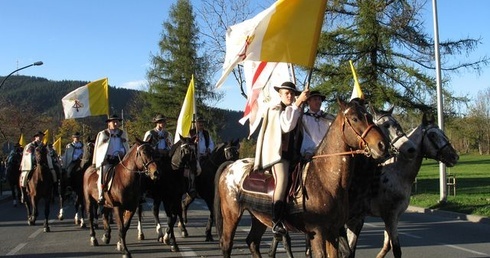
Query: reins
(352, 152)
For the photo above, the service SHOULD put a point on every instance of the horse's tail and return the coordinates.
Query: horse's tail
(218, 217)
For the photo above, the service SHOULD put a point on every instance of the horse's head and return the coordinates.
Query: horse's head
(144, 159)
(360, 132)
(232, 150)
(400, 143)
(185, 154)
(435, 143)
(41, 154)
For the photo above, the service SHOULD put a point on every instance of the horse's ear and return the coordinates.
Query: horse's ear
(372, 110)
(138, 140)
(428, 118)
(342, 103)
(390, 110)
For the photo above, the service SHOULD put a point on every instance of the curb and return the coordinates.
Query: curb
(450, 214)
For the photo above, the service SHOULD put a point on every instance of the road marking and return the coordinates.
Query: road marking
(33, 235)
(187, 252)
(466, 250)
(16, 249)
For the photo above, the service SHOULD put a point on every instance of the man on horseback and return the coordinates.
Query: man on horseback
(275, 145)
(73, 155)
(159, 137)
(28, 162)
(205, 145)
(111, 145)
(315, 124)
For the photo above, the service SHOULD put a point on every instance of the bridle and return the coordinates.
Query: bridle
(146, 165)
(426, 132)
(399, 132)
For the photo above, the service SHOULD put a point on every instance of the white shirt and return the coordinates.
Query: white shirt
(315, 126)
(201, 145)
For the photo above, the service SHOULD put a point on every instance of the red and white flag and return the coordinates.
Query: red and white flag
(261, 77)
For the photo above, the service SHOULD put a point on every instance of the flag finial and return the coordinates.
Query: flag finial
(356, 91)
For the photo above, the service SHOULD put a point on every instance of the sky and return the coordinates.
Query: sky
(90, 40)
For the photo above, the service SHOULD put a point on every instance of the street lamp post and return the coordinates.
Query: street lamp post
(33, 64)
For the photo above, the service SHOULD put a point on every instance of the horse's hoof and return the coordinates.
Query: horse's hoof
(82, 225)
(31, 223)
(184, 234)
(175, 248)
(106, 239)
(160, 239)
(77, 221)
(209, 239)
(166, 239)
(94, 242)
(127, 255)
(47, 229)
(119, 247)
(141, 237)
(60, 217)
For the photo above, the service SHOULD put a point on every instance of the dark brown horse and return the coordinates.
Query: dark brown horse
(124, 193)
(325, 207)
(169, 189)
(391, 194)
(12, 169)
(39, 186)
(205, 183)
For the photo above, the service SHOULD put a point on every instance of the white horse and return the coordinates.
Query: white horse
(391, 195)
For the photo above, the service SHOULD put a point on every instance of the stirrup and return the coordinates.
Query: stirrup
(278, 228)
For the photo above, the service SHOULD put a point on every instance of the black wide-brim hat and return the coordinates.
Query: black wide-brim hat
(75, 135)
(113, 118)
(288, 86)
(316, 93)
(40, 134)
(159, 118)
(199, 119)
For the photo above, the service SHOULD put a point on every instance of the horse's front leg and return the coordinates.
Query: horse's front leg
(169, 237)
(185, 205)
(318, 247)
(209, 225)
(62, 197)
(123, 218)
(47, 205)
(28, 205)
(156, 217)
(34, 211)
(141, 235)
(391, 239)
(106, 212)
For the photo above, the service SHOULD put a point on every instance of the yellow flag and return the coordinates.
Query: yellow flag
(89, 100)
(22, 141)
(288, 31)
(186, 113)
(47, 137)
(356, 91)
(57, 146)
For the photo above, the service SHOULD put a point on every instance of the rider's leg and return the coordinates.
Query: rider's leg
(280, 172)
(100, 184)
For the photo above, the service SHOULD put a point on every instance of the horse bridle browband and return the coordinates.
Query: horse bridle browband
(399, 134)
(364, 147)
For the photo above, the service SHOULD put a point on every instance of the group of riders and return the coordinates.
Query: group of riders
(286, 134)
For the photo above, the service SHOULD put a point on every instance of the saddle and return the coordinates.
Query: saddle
(262, 182)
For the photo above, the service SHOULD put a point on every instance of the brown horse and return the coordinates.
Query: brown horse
(124, 193)
(391, 194)
(39, 186)
(325, 204)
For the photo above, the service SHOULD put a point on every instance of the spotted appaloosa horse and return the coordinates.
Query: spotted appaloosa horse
(325, 183)
(390, 196)
(124, 193)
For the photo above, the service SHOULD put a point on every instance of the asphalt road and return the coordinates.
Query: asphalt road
(421, 235)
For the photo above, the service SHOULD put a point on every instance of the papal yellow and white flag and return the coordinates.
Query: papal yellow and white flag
(57, 146)
(356, 91)
(186, 113)
(288, 31)
(89, 100)
(22, 140)
(47, 137)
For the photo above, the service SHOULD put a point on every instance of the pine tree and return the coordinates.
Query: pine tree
(393, 56)
(173, 67)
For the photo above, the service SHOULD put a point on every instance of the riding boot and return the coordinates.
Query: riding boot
(101, 199)
(277, 215)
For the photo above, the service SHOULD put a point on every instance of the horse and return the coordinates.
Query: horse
(124, 192)
(391, 195)
(169, 189)
(12, 168)
(75, 182)
(39, 186)
(323, 210)
(204, 183)
(364, 171)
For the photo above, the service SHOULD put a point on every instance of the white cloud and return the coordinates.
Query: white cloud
(134, 85)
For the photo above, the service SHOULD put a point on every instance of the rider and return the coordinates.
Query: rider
(160, 138)
(14, 156)
(28, 162)
(110, 147)
(315, 124)
(205, 145)
(73, 154)
(275, 145)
